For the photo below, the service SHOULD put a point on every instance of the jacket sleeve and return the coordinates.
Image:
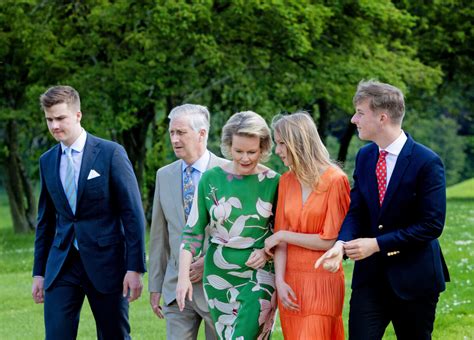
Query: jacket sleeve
(130, 208)
(45, 228)
(159, 243)
(354, 219)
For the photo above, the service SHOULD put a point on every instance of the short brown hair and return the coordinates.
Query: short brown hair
(381, 97)
(61, 94)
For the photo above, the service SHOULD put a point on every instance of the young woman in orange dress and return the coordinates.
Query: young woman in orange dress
(313, 199)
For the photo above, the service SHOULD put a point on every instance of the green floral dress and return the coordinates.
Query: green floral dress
(238, 211)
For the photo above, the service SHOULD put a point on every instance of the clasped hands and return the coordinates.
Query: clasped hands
(272, 241)
(256, 260)
(356, 250)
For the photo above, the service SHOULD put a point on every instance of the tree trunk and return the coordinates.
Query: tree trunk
(323, 119)
(134, 142)
(158, 135)
(18, 186)
(345, 142)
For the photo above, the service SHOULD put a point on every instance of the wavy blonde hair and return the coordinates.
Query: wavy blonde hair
(300, 135)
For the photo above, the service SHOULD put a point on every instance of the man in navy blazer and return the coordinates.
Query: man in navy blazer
(397, 213)
(90, 231)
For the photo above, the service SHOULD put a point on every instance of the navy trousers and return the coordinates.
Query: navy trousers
(63, 302)
(373, 306)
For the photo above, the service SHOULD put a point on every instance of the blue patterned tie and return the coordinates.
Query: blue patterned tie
(188, 190)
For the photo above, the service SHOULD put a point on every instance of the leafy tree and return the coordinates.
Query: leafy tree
(22, 48)
(440, 135)
(443, 36)
(133, 62)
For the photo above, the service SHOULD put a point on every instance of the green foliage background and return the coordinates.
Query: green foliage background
(134, 61)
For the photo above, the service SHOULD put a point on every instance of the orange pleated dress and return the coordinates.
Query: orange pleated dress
(320, 294)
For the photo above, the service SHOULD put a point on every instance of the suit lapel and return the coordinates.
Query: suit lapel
(401, 165)
(174, 181)
(57, 180)
(90, 154)
(175, 186)
(373, 189)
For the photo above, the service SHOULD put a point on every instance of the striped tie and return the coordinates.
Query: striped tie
(70, 181)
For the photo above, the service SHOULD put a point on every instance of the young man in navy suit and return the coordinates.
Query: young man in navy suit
(90, 231)
(397, 213)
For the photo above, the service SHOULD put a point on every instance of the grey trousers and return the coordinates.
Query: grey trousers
(185, 325)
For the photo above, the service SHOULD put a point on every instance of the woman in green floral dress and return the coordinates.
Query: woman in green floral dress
(236, 204)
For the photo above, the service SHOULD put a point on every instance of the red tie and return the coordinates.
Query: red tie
(381, 172)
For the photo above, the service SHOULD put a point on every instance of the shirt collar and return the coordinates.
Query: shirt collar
(397, 145)
(200, 165)
(78, 144)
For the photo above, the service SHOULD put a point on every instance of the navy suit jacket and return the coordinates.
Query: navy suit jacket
(406, 226)
(109, 222)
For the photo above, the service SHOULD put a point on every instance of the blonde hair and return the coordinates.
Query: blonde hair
(247, 123)
(300, 135)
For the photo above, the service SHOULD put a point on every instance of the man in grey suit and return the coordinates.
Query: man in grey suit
(175, 185)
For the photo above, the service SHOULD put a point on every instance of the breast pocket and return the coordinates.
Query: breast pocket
(95, 189)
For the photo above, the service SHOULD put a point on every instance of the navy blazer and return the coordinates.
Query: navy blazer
(109, 222)
(406, 226)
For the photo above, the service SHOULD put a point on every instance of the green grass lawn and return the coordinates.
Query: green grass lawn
(21, 319)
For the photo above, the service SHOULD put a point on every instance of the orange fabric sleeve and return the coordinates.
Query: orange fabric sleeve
(338, 205)
(280, 220)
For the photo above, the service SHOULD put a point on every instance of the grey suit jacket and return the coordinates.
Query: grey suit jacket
(165, 235)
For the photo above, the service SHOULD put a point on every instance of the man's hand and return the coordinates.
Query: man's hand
(196, 270)
(37, 289)
(287, 296)
(132, 283)
(155, 304)
(361, 248)
(331, 260)
(257, 259)
(272, 241)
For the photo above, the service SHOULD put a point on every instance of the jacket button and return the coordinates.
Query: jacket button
(380, 227)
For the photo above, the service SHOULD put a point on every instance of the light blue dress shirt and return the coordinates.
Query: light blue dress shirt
(76, 153)
(200, 166)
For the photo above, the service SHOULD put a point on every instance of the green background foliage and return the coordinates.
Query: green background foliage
(132, 62)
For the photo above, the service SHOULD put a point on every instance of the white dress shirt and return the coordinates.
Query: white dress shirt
(394, 150)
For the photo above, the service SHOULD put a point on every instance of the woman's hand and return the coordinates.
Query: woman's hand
(331, 260)
(287, 296)
(257, 259)
(183, 288)
(273, 241)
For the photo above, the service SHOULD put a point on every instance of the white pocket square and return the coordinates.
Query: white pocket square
(93, 174)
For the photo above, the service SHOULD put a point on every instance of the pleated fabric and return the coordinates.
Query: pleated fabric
(320, 293)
